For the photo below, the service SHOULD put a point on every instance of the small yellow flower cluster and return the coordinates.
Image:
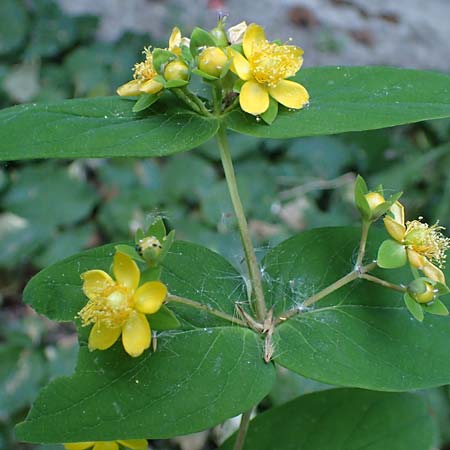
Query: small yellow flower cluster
(262, 68)
(118, 306)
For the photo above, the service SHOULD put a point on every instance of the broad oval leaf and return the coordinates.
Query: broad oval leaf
(361, 335)
(353, 99)
(100, 127)
(349, 419)
(195, 380)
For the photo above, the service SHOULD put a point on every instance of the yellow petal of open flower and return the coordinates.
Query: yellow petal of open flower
(150, 296)
(254, 36)
(126, 271)
(398, 211)
(395, 229)
(175, 38)
(136, 334)
(290, 94)
(150, 87)
(135, 444)
(239, 65)
(78, 445)
(132, 88)
(111, 445)
(254, 98)
(415, 259)
(95, 282)
(102, 337)
(433, 272)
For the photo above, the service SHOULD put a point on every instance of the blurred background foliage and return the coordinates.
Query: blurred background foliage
(52, 209)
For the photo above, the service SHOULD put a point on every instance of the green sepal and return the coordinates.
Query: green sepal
(238, 47)
(271, 113)
(151, 274)
(418, 286)
(413, 307)
(391, 255)
(129, 251)
(187, 55)
(200, 38)
(175, 83)
(166, 244)
(145, 101)
(139, 235)
(360, 198)
(441, 288)
(437, 308)
(160, 58)
(238, 85)
(157, 229)
(204, 75)
(226, 69)
(163, 320)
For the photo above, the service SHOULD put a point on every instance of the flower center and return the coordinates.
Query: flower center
(271, 63)
(427, 241)
(112, 307)
(145, 70)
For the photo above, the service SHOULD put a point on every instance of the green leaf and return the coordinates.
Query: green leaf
(157, 229)
(160, 58)
(175, 83)
(361, 335)
(145, 101)
(346, 99)
(349, 419)
(195, 380)
(413, 307)
(13, 25)
(164, 319)
(204, 75)
(437, 307)
(100, 127)
(391, 255)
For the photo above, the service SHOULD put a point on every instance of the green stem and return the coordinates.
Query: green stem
(201, 306)
(250, 257)
(243, 427)
(384, 283)
(353, 275)
(362, 243)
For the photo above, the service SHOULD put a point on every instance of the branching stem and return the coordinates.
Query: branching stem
(250, 257)
(201, 306)
(384, 283)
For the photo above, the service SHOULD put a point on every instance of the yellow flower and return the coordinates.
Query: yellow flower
(264, 69)
(118, 307)
(134, 444)
(424, 244)
(144, 72)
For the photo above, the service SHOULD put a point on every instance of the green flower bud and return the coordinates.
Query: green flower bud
(212, 60)
(421, 291)
(374, 199)
(176, 70)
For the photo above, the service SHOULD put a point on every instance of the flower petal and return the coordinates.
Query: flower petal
(131, 88)
(136, 334)
(416, 259)
(239, 65)
(433, 272)
(102, 337)
(395, 229)
(110, 445)
(151, 87)
(175, 38)
(126, 271)
(150, 296)
(253, 98)
(254, 35)
(398, 212)
(78, 445)
(290, 94)
(95, 282)
(135, 444)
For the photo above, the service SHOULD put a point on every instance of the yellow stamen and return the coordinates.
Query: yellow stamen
(427, 240)
(144, 70)
(113, 306)
(271, 63)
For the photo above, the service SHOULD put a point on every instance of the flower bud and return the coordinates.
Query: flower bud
(212, 61)
(219, 35)
(374, 199)
(149, 246)
(176, 70)
(421, 291)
